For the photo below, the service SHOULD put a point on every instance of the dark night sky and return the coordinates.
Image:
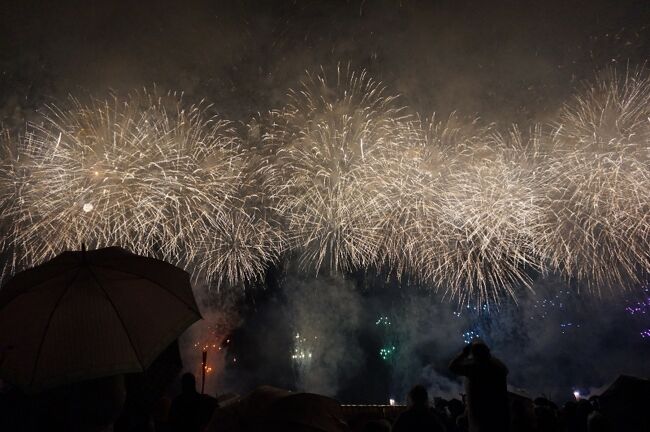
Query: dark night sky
(505, 61)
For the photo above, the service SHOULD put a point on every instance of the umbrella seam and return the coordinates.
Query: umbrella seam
(13, 296)
(119, 317)
(47, 326)
(152, 281)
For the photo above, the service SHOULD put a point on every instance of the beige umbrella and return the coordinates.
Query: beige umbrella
(85, 315)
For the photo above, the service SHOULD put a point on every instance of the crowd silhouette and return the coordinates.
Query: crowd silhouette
(486, 406)
(486, 388)
(419, 416)
(190, 411)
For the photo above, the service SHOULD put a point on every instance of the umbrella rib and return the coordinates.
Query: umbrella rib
(135, 351)
(47, 326)
(150, 280)
(31, 288)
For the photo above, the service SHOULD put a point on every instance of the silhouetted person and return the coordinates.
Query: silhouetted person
(485, 383)
(419, 417)
(160, 414)
(583, 410)
(546, 415)
(208, 405)
(185, 412)
(597, 422)
(377, 426)
(520, 421)
(456, 410)
(568, 417)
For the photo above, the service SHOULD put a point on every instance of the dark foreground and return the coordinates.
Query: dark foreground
(103, 405)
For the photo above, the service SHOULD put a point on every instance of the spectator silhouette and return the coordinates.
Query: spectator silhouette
(208, 405)
(419, 416)
(160, 414)
(185, 412)
(485, 383)
(377, 426)
(546, 415)
(568, 417)
(583, 410)
(520, 421)
(597, 422)
(456, 410)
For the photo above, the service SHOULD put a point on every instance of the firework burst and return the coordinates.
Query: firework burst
(478, 243)
(336, 137)
(598, 192)
(344, 179)
(13, 177)
(240, 251)
(141, 172)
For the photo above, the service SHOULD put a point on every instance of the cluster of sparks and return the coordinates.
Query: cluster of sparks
(213, 345)
(470, 335)
(387, 352)
(542, 307)
(383, 321)
(389, 348)
(302, 351)
(639, 308)
(345, 178)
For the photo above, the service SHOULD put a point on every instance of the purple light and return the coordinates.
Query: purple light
(640, 307)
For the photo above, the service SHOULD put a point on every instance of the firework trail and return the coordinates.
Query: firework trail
(12, 177)
(332, 140)
(598, 187)
(345, 179)
(142, 172)
(239, 252)
(478, 244)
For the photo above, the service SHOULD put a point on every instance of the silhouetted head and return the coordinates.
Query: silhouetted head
(595, 402)
(584, 408)
(91, 405)
(456, 407)
(377, 426)
(570, 408)
(418, 396)
(480, 350)
(518, 407)
(188, 383)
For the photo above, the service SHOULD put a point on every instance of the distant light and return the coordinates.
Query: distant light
(88, 207)
(391, 402)
(576, 394)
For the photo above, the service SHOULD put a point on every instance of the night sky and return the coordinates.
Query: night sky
(505, 61)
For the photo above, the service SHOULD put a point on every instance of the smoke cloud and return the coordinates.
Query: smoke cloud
(325, 314)
(325, 334)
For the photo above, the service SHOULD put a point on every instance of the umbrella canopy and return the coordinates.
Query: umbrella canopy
(85, 315)
(272, 409)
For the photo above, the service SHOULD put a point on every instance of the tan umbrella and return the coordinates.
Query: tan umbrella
(85, 315)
